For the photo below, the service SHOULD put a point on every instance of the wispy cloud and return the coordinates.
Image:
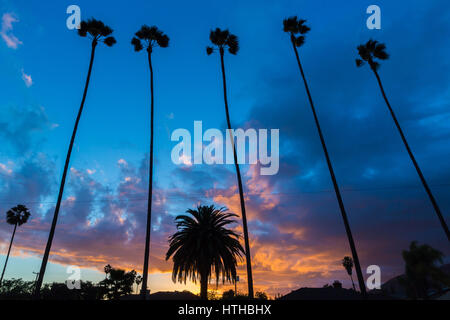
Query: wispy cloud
(6, 31)
(27, 79)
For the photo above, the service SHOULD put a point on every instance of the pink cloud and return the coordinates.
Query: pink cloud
(27, 79)
(6, 31)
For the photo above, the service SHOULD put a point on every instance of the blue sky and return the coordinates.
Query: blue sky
(381, 189)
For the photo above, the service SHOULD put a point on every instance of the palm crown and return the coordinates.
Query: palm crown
(203, 243)
(223, 39)
(295, 26)
(369, 52)
(17, 215)
(347, 262)
(107, 268)
(149, 37)
(98, 31)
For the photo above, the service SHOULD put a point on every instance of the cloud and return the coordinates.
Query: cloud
(27, 79)
(21, 126)
(6, 31)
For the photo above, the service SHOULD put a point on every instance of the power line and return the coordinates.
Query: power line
(202, 195)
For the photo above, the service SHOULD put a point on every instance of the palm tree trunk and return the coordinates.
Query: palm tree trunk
(241, 192)
(413, 159)
(204, 286)
(7, 256)
(63, 180)
(335, 184)
(150, 187)
(353, 284)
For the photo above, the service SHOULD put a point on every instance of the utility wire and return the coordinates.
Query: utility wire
(196, 194)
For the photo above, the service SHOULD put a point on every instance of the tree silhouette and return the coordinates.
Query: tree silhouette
(222, 40)
(421, 271)
(297, 30)
(347, 263)
(260, 295)
(16, 216)
(203, 246)
(228, 295)
(117, 283)
(97, 32)
(149, 38)
(370, 53)
(337, 284)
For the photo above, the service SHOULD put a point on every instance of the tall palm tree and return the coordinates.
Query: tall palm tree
(16, 216)
(98, 32)
(149, 37)
(203, 247)
(297, 30)
(222, 40)
(347, 263)
(370, 53)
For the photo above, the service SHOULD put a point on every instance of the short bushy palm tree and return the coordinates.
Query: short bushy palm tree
(371, 53)
(97, 31)
(347, 263)
(203, 247)
(422, 270)
(16, 216)
(149, 38)
(297, 30)
(223, 40)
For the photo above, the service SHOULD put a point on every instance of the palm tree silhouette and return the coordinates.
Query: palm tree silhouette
(225, 40)
(98, 32)
(16, 216)
(370, 52)
(203, 244)
(347, 263)
(297, 30)
(149, 37)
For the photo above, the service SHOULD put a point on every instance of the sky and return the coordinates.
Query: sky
(296, 234)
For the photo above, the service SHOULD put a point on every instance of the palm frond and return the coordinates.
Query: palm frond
(299, 41)
(233, 44)
(380, 52)
(82, 32)
(291, 25)
(302, 27)
(110, 41)
(359, 62)
(136, 44)
(163, 41)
